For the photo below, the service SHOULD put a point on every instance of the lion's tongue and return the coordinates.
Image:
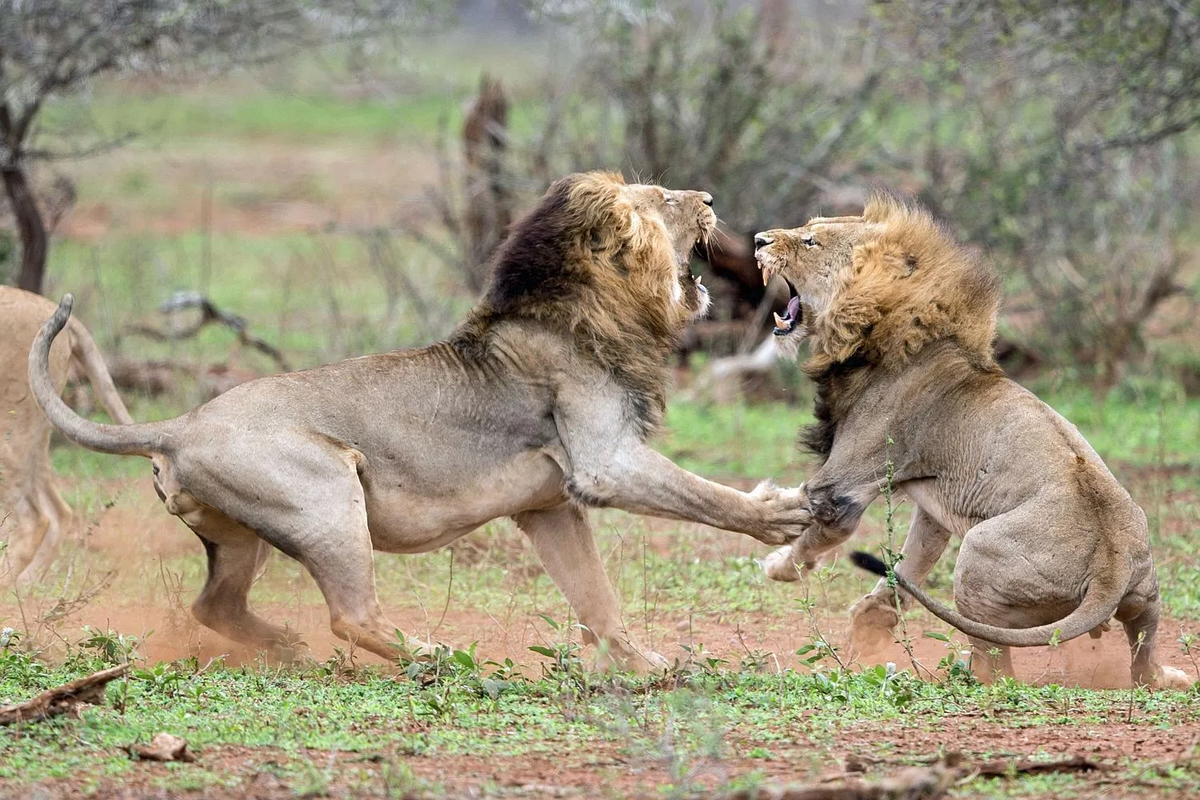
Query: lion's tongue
(784, 324)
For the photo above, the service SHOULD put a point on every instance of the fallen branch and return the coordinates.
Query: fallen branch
(209, 313)
(926, 782)
(64, 699)
(1004, 769)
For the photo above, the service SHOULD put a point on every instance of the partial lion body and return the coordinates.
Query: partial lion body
(537, 407)
(446, 446)
(901, 323)
(33, 516)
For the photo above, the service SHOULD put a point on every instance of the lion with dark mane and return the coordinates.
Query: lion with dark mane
(901, 322)
(538, 406)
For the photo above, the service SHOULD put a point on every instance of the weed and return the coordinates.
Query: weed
(108, 647)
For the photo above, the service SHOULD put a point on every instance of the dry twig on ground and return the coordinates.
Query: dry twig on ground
(63, 699)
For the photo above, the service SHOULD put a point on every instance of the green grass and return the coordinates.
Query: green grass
(742, 711)
(344, 729)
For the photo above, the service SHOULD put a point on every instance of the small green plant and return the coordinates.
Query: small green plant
(17, 664)
(163, 678)
(566, 665)
(107, 647)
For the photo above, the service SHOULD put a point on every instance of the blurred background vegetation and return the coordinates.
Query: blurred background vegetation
(330, 177)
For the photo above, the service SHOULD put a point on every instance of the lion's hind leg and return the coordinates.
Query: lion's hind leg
(333, 542)
(343, 564)
(874, 617)
(57, 516)
(1141, 628)
(990, 661)
(235, 557)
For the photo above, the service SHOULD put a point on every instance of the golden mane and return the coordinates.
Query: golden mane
(585, 263)
(910, 283)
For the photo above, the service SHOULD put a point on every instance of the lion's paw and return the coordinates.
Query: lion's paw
(1173, 678)
(781, 565)
(785, 513)
(871, 623)
(625, 657)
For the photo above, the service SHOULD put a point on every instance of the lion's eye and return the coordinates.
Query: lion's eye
(808, 240)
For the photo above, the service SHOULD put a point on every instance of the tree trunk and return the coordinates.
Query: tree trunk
(489, 198)
(30, 226)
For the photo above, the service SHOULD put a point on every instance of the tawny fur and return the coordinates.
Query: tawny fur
(535, 408)
(900, 320)
(33, 516)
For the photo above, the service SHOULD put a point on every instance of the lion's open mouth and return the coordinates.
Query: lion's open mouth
(792, 315)
(685, 258)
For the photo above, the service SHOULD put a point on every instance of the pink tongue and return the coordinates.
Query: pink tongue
(793, 308)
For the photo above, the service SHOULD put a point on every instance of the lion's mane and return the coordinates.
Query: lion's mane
(583, 262)
(909, 285)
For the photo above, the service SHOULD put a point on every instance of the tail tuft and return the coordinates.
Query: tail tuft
(869, 562)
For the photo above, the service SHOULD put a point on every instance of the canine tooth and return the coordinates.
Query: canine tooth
(780, 322)
(766, 275)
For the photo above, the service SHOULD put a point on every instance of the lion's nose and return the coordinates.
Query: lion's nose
(706, 198)
(762, 240)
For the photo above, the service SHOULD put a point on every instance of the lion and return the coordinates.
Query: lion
(537, 407)
(33, 516)
(901, 321)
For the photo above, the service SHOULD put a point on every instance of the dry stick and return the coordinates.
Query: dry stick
(449, 591)
(64, 699)
(209, 313)
(904, 640)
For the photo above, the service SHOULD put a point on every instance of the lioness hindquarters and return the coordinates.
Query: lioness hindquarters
(33, 515)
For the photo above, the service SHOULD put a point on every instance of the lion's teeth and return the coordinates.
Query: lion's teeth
(766, 275)
(780, 322)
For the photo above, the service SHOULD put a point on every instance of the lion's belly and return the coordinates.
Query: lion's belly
(413, 517)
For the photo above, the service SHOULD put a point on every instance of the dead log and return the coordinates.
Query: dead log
(64, 699)
(489, 200)
(911, 783)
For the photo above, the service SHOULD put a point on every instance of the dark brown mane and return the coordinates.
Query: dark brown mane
(564, 266)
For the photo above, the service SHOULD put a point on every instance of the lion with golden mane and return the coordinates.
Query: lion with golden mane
(538, 406)
(901, 322)
(33, 516)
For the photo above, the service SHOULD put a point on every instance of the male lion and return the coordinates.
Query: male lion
(901, 322)
(32, 514)
(538, 405)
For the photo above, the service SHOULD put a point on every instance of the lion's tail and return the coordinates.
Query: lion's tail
(85, 352)
(125, 439)
(1100, 601)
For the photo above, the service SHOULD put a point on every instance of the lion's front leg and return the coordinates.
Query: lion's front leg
(834, 512)
(875, 615)
(639, 480)
(563, 540)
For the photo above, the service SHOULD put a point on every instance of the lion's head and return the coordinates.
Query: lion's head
(879, 287)
(594, 241)
(608, 263)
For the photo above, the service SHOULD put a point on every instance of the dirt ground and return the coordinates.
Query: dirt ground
(136, 536)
